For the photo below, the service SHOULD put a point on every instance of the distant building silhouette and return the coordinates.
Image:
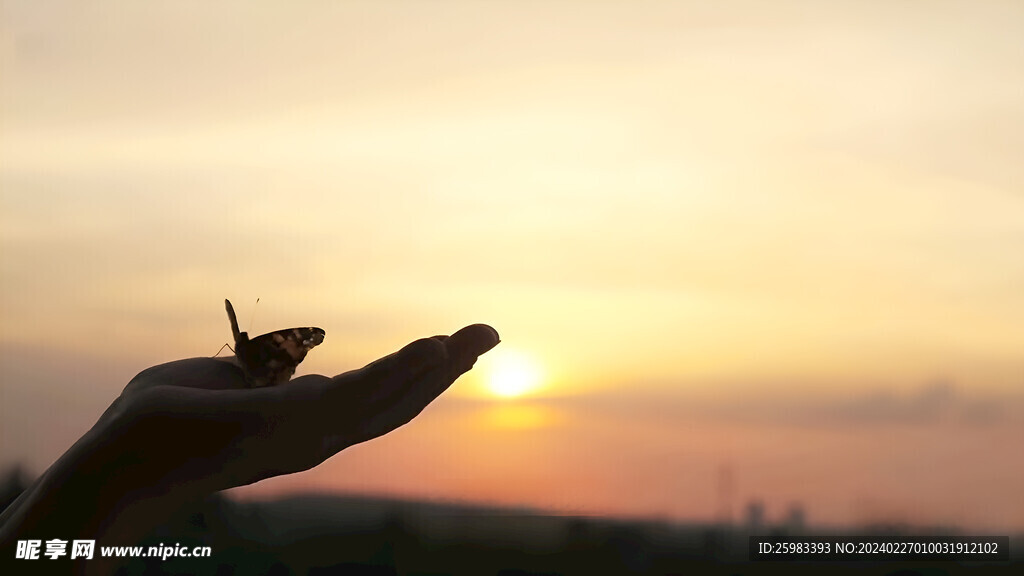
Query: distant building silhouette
(755, 516)
(796, 518)
(14, 482)
(726, 489)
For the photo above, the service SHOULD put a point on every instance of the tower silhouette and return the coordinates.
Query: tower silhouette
(726, 492)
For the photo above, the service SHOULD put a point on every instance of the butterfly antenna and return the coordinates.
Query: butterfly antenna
(252, 316)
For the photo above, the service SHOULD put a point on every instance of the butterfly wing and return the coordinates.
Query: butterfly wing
(271, 359)
(235, 334)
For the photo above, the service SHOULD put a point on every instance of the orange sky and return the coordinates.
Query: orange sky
(815, 205)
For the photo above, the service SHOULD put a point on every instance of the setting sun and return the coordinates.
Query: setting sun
(511, 373)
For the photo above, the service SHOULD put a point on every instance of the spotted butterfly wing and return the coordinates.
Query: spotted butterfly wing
(271, 359)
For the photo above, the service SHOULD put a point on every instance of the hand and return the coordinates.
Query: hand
(185, 429)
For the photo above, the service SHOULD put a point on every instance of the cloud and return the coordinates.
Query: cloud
(937, 402)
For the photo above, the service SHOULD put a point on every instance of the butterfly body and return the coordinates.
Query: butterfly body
(271, 358)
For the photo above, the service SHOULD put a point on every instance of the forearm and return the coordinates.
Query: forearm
(63, 502)
(93, 491)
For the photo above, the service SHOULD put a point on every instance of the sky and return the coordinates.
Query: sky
(775, 243)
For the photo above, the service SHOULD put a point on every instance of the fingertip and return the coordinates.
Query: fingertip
(494, 334)
(468, 344)
(475, 338)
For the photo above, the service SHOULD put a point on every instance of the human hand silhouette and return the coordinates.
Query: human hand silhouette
(185, 429)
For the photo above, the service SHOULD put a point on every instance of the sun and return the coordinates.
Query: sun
(511, 373)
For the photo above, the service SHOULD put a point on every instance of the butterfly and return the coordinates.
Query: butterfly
(271, 359)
